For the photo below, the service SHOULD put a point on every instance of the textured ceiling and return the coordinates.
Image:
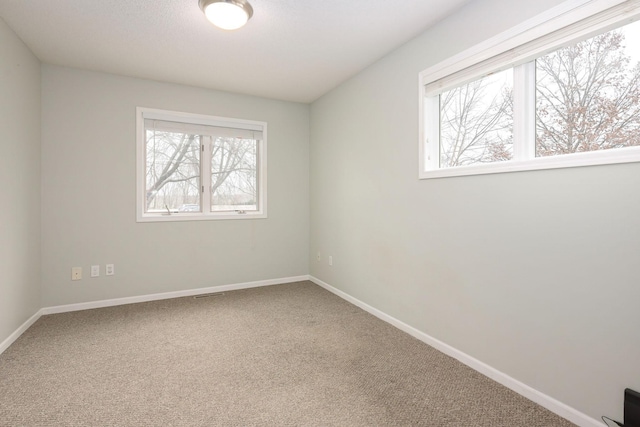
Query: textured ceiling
(294, 50)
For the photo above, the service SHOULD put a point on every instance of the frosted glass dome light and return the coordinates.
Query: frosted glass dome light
(227, 14)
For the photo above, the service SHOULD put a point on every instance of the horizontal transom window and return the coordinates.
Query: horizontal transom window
(194, 167)
(561, 90)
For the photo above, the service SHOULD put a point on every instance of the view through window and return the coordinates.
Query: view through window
(584, 97)
(197, 167)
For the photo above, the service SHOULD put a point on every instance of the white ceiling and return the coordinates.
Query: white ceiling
(294, 50)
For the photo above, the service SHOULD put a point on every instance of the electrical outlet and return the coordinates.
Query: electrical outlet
(95, 271)
(76, 273)
(110, 270)
(330, 260)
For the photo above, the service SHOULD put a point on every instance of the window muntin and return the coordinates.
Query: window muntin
(529, 150)
(194, 167)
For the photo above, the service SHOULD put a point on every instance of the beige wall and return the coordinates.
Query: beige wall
(533, 273)
(19, 182)
(89, 183)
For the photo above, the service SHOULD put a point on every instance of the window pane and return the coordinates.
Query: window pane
(588, 95)
(476, 121)
(172, 172)
(233, 174)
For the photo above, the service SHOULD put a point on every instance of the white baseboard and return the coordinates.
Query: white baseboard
(536, 396)
(15, 335)
(530, 393)
(142, 298)
(169, 295)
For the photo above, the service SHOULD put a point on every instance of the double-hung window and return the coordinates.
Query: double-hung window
(560, 90)
(197, 167)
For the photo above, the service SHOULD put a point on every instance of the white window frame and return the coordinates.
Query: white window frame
(143, 113)
(563, 25)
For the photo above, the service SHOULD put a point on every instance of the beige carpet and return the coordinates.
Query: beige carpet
(286, 355)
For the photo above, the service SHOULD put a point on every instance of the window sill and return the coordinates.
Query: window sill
(198, 217)
(594, 158)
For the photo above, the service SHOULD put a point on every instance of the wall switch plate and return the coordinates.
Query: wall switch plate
(76, 273)
(110, 270)
(95, 270)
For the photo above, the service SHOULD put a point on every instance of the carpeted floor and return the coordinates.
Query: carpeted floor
(286, 355)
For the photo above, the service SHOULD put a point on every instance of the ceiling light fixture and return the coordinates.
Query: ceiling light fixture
(227, 14)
